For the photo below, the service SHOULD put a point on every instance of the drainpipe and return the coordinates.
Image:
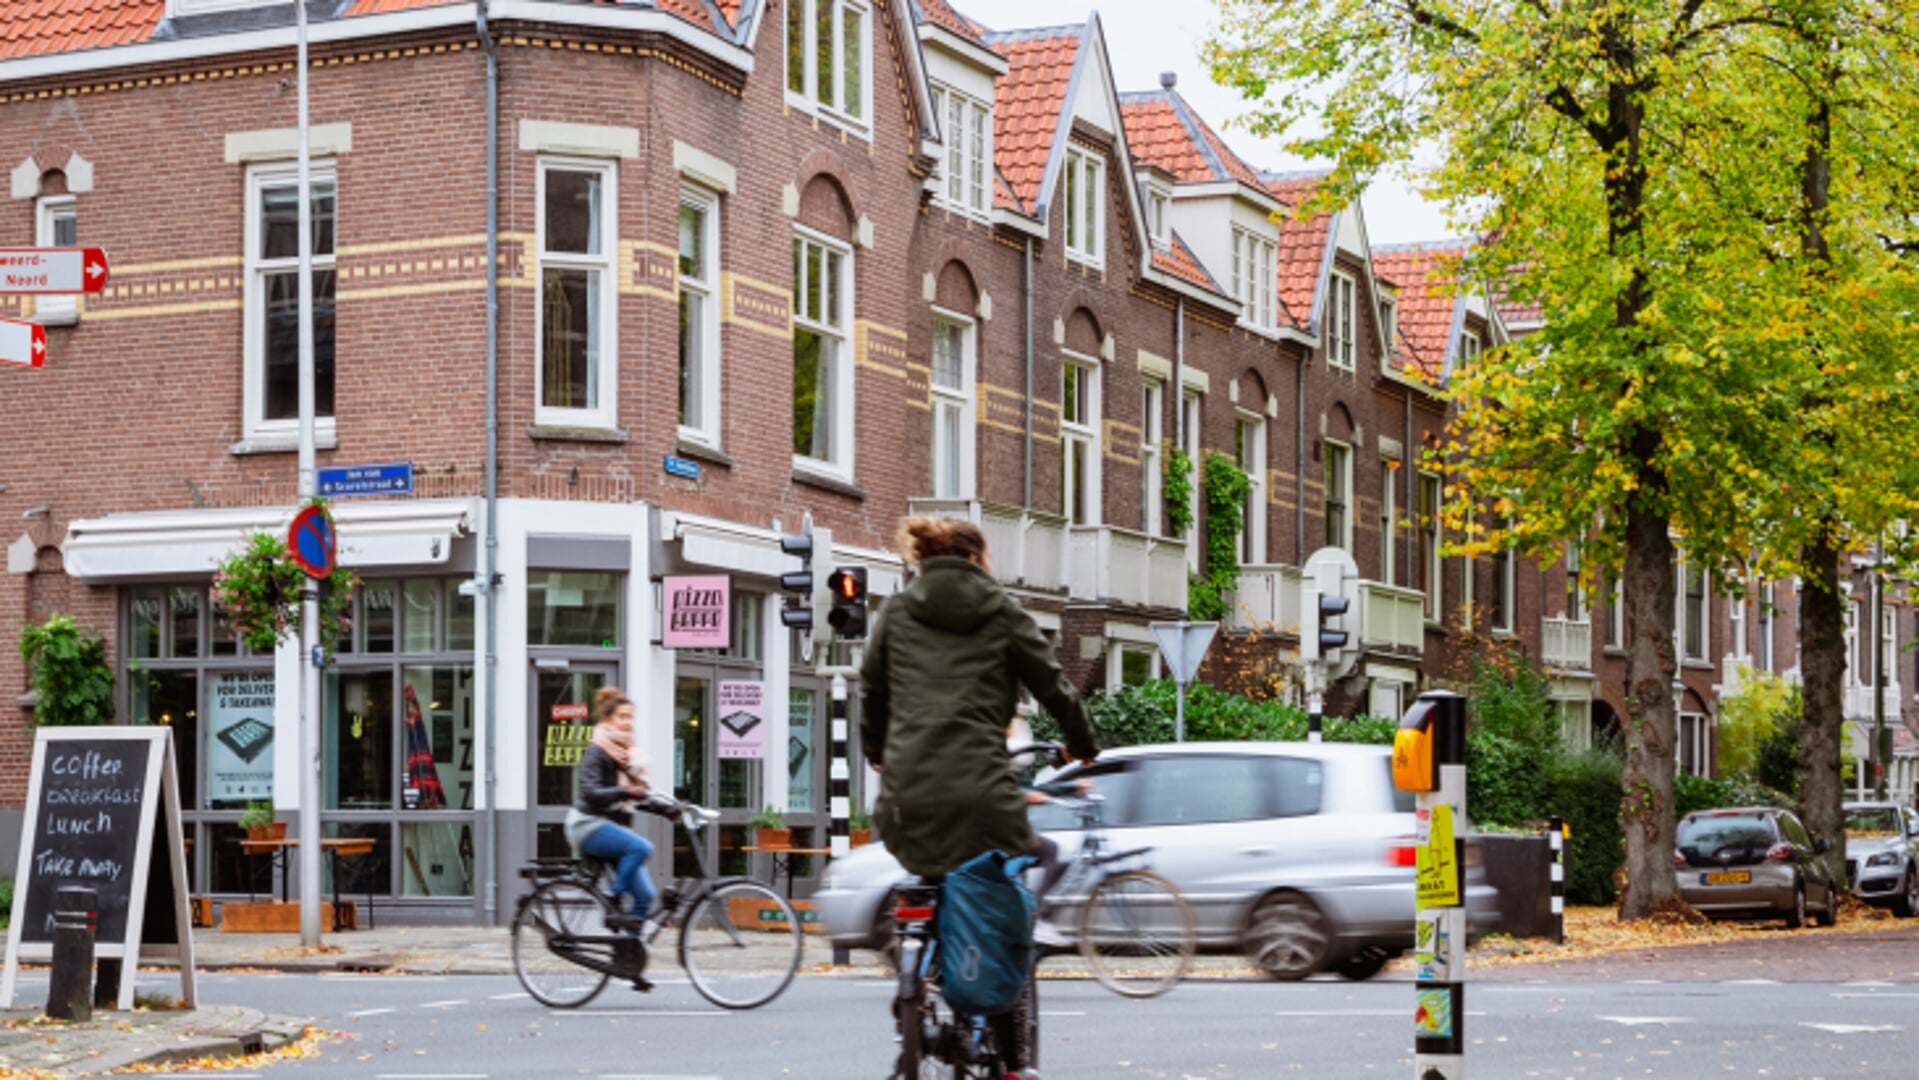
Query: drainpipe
(1408, 462)
(1028, 498)
(491, 563)
(1299, 460)
(1179, 374)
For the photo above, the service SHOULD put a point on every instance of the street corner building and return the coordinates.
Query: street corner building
(754, 259)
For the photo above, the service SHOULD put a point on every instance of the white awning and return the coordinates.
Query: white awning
(750, 549)
(176, 543)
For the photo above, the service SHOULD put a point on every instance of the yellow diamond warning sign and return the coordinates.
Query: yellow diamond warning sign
(1436, 861)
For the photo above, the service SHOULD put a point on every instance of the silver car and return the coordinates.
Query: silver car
(1754, 862)
(1300, 854)
(1882, 855)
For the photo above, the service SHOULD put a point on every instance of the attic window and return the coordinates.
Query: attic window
(1085, 207)
(1156, 214)
(1388, 320)
(1339, 321)
(966, 126)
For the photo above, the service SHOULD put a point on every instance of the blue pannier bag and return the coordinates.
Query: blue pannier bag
(986, 935)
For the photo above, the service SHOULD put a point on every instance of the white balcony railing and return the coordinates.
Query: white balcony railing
(1266, 600)
(1391, 617)
(1566, 643)
(1859, 703)
(1104, 562)
(1028, 547)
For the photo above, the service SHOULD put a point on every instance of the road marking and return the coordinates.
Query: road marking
(1866, 982)
(510, 997)
(1752, 982)
(367, 1012)
(644, 1012)
(431, 1076)
(1351, 1012)
(1635, 1021)
(1871, 997)
(1061, 1012)
(877, 984)
(652, 1076)
(1853, 1029)
(443, 1004)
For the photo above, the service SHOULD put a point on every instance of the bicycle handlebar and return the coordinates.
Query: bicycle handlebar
(1055, 753)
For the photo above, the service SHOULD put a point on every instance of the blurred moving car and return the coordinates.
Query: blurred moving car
(1754, 862)
(1882, 855)
(1300, 854)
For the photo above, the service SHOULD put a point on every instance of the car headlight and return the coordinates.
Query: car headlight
(1884, 858)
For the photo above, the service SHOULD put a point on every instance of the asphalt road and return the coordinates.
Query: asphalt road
(484, 1027)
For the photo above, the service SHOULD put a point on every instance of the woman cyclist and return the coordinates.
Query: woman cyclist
(942, 672)
(613, 781)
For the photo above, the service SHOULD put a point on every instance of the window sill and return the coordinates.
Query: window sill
(699, 451)
(828, 483)
(803, 104)
(287, 442)
(1613, 651)
(69, 317)
(1090, 262)
(554, 433)
(1698, 665)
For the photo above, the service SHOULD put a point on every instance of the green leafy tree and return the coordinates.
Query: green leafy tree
(1750, 718)
(72, 681)
(1224, 486)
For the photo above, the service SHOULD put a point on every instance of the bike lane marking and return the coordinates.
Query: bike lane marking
(364, 1013)
(443, 1004)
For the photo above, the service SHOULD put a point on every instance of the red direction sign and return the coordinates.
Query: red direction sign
(22, 342)
(52, 270)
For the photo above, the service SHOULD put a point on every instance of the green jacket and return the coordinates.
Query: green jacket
(942, 673)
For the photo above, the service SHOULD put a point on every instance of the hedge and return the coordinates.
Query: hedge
(1144, 714)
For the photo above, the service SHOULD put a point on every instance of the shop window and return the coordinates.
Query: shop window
(145, 608)
(420, 618)
(564, 726)
(379, 612)
(240, 734)
(572, 609)
(436, 705)
(172, 699)
(362, 875)
(183, 607)
(459, 619)
(802, 717)
(437, 858)
(689, 740)
(358, 743)
(272, 345)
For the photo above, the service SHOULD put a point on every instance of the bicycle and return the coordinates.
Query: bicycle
(932, 1036)
(739, 940)
(1135, 929)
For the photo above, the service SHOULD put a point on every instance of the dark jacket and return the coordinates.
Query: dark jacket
(942, 673)
(603, 791)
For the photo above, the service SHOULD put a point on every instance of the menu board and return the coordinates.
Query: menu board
(103, 813)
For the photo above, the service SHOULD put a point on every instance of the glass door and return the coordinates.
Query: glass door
(563, 726)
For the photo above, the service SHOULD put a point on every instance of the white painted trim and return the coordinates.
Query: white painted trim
(1132, 634)
(253, 306)
(932, 33)
(580, 140)
(704, 169)
(1157, 366)
(1194, 379)
(25, 179)
(605, 412)
(283, 144)
(706, 428)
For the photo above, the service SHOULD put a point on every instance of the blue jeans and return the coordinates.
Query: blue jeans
(628, 851)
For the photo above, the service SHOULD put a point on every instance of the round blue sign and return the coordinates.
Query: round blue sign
(310, 542)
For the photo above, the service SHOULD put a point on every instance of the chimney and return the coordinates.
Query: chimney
(1168, 80)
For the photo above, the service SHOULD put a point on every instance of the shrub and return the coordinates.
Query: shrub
(1585, 790)
(1776, 761)
(1144, 715)
(1749, 720)
(6, 903)
(1692, 793)
(1506, 780)
(72, 682)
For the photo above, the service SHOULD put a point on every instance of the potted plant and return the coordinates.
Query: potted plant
(859, 828)
(259, 822)
(769, 829)
(257, 588)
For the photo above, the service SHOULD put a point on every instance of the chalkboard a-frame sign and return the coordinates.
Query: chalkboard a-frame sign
(103, 812)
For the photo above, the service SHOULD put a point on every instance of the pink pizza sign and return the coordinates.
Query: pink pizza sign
(696, 610)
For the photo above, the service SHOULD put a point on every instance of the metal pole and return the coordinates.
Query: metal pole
(1179, 714)
(1556, 839)
(1881, 758)
(1439, 1018)
(839, 784)
(309, 597)
(490, 569)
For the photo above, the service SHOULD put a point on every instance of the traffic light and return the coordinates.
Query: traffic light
(1327, 586)
(848, 586)
(803, 599)
(1331, 640)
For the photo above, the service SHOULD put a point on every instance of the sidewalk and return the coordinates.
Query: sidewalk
(32, 1046)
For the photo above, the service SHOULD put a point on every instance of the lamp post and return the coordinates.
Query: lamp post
(309, 597)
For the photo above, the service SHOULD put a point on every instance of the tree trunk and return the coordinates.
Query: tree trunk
(1822, 668)
(1646, 807)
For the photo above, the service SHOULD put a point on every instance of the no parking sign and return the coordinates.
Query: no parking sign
(310, 541)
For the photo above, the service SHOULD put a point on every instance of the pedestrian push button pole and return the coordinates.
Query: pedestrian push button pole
(76, 914)
(1429, 758)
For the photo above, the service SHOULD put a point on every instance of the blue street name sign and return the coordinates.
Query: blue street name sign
(679, 466)
(351, 480)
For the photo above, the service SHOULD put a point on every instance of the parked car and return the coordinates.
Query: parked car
(1882, 855)
(1299, 854)
(1754, 862)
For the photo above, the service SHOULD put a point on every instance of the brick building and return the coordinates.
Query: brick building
(757, 259)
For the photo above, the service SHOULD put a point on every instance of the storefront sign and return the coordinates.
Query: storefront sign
(566, 737)
(742, 720)
(240, 723)
(696, 612)
(349, 480)
(799, 751)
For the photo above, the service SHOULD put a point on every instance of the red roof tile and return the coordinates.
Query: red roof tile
(35, 27)
(1177, 259)
(941, 14)
(1302, 246)
(1027, 106)
(1162, 129)
(1426, 305)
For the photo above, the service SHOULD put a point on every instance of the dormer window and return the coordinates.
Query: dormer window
(1085, 207)
(1156, 207)
(826, 58)
(1339, 321)
(1253, 260)
(967, 125)
(1389, 320)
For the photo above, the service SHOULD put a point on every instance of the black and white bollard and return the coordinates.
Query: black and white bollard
(1556, 838)
(76, 912)
(1429, 757)
(839, 787)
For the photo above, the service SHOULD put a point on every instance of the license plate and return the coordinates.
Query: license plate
(1727, 877)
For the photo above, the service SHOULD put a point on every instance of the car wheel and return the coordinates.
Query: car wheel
(1906, 904)
(1288, 937)
(1829, 915)
(1796, 918)
(1364, 964)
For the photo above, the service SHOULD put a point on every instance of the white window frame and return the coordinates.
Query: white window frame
(1736, 612)
(1469, 346)
(1576, 610)
(1889, 649)
(705, 428)
(1432, 530)
(1388, 319)
(1505, 587)
(1253, 261)
(1690, 650)
(1085, 224)
(840, 465)
(962, 399)
(1116, 651)
(1158, 210)
(1152, 420)
(968, 163)
(806, 98)
(48, 210)
(603, 414)
(1854, 677)
(1763, 620)
(1344, 481)
(1341, 315)
(1696, 744)
(1615, 602)
(1388, 535)
(254, 339)
(1251, 426)
(1191, 410)
(1086, 433)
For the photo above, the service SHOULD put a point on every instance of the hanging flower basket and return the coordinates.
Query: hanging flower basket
(258, 590)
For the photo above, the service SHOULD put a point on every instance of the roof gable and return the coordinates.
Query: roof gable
(1164, 130)
(1428, 314)
(1029, 110)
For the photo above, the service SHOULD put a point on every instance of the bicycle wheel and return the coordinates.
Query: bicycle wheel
(544, 944)
(1137, 932)
(740, 945)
